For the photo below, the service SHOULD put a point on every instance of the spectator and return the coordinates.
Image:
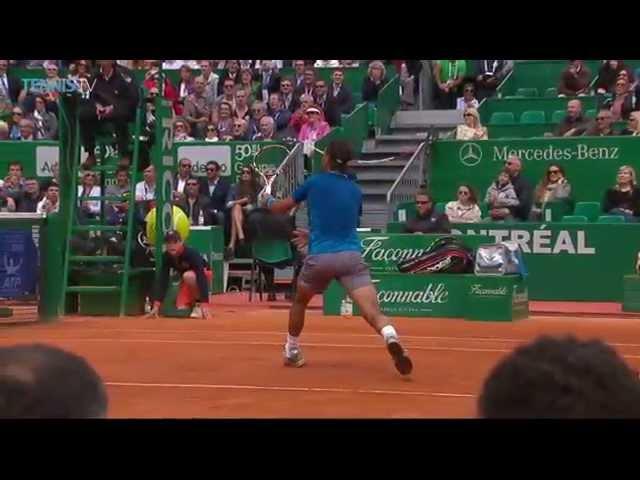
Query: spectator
(465, 209)
(426, 219)
(340, 98)
(288, 98)
(11, 91)
(574, 123)
(50, 203)
(622, 103)
(184, 173)
(306, 88)
(4, 130)
(242, 198)
(216, 189)
(299, 118)
(608, 74)
(575, 80)
(298, 76)
(231, 72)
(561, 378)
(14, 178)
(313, 130)
(408, 88)
(212, 133)
(110, 102)
(373, 82)
(239, 132)
(602, 127)
(146, 192)
(267, 130)
(277, 111)
(554, 187)
(116, 211)
(229, 94)
(195, 205)
(46, 123)
(185, 85)
(258, 110)
(51, 97)
(270, 79)
(79, 69)
(320, 96)
(633, 127)
(45, 382)
(223, 119)
(468, 98)
(472, 129)
(211, 80)
(17, 114)
(197, 109)
(501, 198)
(247, 83)
(448, 76)
(524, 190)
(27, 200)
(156, 82)
(88, 189)
(624, 198)
(26, 130)
(181, 131)
(488, 75)
(242, 110)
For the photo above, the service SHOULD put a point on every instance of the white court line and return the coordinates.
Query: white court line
(290, 389)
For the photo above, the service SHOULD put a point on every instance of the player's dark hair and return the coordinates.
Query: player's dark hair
(340, 154)
(561, 378)
(41, 381)
(172, 236)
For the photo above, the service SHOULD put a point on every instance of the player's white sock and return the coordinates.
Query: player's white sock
(389, 333)
(292, 342)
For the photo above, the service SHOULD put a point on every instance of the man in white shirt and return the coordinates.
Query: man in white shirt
(146, 190)
(180, 180)
(50, 203)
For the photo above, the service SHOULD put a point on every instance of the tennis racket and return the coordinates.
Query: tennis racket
(264, 156)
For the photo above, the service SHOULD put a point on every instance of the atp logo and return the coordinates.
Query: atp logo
(11, 267)
(470, 154)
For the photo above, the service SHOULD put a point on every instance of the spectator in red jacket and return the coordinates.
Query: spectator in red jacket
(299, 117)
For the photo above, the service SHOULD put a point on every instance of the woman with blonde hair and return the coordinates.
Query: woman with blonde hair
(624, 198)
(374, 81)
(472, 129)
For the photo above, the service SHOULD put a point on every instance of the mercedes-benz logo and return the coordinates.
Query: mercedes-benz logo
(470, 154)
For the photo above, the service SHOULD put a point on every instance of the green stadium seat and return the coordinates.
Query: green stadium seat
(512, 97)
(440, 206)
(611, 219)
(527, 92)
(502, 118)
(591, 210)
(404, 211)
(575, 219)
(532, 116)
(551, 92)
(591, 113)
(558, 116)
(395, 227)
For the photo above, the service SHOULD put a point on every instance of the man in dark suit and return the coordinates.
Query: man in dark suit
(181, 177)
(195, 205)
(308, 83)
(216, 189)
(339, 99)
(10, 87)
(269, 79)
(298, 76)
(288, 98)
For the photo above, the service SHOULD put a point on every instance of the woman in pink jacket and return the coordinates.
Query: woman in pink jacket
(315, 128)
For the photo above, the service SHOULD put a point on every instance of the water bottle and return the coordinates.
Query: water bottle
(346, 307)
(147, 305)
(200, 218)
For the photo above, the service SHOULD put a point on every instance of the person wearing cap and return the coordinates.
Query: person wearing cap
(195, 275)
(315, 128)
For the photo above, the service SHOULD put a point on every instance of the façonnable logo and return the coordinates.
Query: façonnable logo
(470, 154)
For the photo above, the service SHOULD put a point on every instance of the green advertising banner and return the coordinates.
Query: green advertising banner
(570, 262)
(37, 158)
(501, 298)
(590, 163)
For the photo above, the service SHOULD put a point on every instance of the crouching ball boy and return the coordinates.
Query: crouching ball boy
(194, 286)
(334, 201)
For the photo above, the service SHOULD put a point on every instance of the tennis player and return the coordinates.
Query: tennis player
(333, 200)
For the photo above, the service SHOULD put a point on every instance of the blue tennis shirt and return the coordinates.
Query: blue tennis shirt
(333, 201)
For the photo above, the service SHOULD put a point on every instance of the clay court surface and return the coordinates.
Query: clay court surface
(231, 367)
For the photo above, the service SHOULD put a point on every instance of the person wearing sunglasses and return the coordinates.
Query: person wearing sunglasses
(17, 114)
(465, 208)
(184, 174)
(427, 220)
(622, 102)
(216, 189)
(553, 188)
(471, 129)
(211, 133)
(602, 125)
(608, 74)
(468, 99)
(181, 131)
(195, 205)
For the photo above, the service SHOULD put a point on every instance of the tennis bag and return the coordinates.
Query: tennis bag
(445, 255)
(500, 259)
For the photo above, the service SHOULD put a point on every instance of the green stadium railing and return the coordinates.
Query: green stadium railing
(355, 126)
(387, 105)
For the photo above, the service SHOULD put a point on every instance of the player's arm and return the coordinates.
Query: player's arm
(289, 203)
(282, 206)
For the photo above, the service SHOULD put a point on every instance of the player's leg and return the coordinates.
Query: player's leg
(359, 287)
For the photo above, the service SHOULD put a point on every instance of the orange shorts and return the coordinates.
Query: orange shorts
(186, 297)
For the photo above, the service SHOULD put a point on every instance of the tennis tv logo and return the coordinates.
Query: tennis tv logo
(470, 154)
